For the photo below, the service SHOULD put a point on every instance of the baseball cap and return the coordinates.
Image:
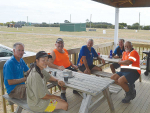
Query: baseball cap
(41, 54)
(59, 40)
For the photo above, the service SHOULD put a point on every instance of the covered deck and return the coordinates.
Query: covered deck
(139, 105)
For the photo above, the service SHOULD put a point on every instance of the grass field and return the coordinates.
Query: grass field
(38, 41)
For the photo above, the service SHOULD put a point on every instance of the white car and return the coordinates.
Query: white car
(6, 53)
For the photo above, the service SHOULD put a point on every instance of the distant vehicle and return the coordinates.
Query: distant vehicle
(6, 53)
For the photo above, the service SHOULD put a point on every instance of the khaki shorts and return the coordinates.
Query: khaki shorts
(19, 92)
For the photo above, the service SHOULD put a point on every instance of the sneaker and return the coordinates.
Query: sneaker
(75, 92)
(127, 98)
(63, 96)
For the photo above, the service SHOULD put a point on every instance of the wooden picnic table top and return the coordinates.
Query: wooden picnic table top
(112, 60)
(85, 83)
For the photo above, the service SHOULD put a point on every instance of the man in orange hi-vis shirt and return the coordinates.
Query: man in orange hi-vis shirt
(60, 60)
(130, 72)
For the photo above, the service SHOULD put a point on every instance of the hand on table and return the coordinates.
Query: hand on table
(75, 67)
(61, 68)
(61, 83)
(116, 56)
(87, 71)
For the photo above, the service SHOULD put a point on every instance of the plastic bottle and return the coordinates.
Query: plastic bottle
(111, 53)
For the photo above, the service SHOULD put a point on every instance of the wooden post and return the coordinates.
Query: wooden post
(2, 91)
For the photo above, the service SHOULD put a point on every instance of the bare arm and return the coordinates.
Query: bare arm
(100, 58)
(51, 62)
(16, 81)
(47, 96)
(125, 62)
(85, 62)
(60, 83)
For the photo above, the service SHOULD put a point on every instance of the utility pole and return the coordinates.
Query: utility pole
(27, 20)
(90, 20)
(70, 18)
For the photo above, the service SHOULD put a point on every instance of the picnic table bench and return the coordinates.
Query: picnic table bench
(89, 86)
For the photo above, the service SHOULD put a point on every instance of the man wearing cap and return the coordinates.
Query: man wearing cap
(130, 72)
(85, 60)
(13, 69)
(60, 60)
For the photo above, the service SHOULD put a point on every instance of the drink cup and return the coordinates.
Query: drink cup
(98, 53)
(54, 73)
(66, 78)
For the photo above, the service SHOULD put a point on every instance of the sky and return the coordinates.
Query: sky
(53, 11)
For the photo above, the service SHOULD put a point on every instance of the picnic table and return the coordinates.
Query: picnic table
(89, 86)
(110, 60)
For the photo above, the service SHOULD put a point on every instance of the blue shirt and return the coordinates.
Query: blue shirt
(118, 51)
(13, 70)
(84, 51)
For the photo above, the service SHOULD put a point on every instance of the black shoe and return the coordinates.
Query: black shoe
(132, 90)
(63, 96)
(75, 92)
(133, 94)
(127, 98)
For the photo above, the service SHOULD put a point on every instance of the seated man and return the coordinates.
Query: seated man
(14, 79)
(117, 54)
(85, 60)
(60, 59)
(130, 72)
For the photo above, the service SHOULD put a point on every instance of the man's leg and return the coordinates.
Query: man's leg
(122, 81)
(115, 77)
(63, 91)
(124, 84)
(112, 68)
(19, 92)
(95, 68)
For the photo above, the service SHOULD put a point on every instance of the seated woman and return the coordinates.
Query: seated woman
(39, 98)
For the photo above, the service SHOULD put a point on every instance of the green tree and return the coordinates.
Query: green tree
(66, 21)
(135, 24)
(87, 20)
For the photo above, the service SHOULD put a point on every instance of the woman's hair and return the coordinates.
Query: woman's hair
(39, 55)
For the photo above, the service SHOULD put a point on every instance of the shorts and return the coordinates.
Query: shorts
(82, 68)
(19, 92)
(52, 105)
(72, 69)
(116, 65)
(130, 76)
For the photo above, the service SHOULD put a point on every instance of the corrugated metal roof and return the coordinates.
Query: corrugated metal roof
(125, 3)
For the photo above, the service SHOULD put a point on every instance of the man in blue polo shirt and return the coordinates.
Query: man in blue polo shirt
(117, 54)
(13, 69)
(85, 60)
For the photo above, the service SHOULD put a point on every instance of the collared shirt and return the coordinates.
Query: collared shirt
(118, 51)
(135, 58)
(84, 51)
(37, 89)
(13, 70)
